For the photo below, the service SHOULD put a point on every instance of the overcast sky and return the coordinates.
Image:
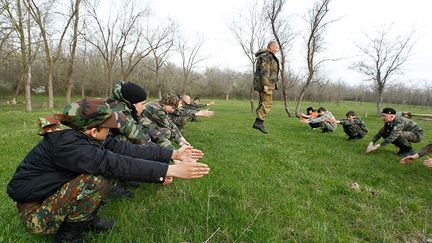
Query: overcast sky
(209, 19)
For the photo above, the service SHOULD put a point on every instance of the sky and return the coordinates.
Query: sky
(209, 19)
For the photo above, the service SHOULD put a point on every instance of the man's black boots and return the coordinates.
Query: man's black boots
(97, 224)
(70, 232)
(259, 124)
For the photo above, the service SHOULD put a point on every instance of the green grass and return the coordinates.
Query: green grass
(289, 185)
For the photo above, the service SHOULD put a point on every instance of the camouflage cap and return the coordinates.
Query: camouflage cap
(89, 113)
(169, 99)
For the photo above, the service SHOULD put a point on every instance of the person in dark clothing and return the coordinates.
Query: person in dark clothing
(59, 185)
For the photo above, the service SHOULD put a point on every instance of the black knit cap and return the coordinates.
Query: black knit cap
(389, 111)
(133, 93)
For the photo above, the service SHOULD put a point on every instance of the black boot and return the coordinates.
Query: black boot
(97, 224)
(259, 124)
(119, 191)
(70, 232)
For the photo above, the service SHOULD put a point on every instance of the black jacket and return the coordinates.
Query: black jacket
(63, 155)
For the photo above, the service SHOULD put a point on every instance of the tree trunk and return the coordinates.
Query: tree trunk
(50, 87)
(285, 96)
(379, 99)
(82, 90)
(27, 89)
(226, 96)
(299, 100)
(252, 104)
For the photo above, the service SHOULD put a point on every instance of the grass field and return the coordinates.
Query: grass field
(290, 185)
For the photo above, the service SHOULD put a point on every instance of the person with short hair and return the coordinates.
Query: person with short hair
(265, 78)
(353, 126)
(323, 120)
(159, 125)
(59, 185)
(310, 113)
(397, 130)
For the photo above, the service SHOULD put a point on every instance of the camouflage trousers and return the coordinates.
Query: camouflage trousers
(264, 104)
(354, 131)
(405, 139)
(75, 201)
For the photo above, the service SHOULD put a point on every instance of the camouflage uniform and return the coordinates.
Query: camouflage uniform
(325, 126)
(181, 115)
(75, 201)
(355, 128)
(425, 150)
(159, 125)
(266, 74)
(131, 129)
(401, 132)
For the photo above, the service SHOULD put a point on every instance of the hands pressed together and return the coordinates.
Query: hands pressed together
(371, 147)
(427, 162)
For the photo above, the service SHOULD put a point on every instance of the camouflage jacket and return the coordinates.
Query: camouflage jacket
(157, 115)
(184, 112)
(322, 119)
(131, 130)
(425, 150)
(356, 121)
(195, 106)
(266, 71)
(392, 130)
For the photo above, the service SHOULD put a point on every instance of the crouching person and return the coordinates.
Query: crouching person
(60, 184)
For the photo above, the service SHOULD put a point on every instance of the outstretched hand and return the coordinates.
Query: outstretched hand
(188, 170)
(187, 152)
(428, 162)
(372, 147)
(409, 159)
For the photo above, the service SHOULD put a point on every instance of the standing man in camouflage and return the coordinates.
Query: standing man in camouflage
(265, 78)
(397, 130)
(59, 185)
(159, 125)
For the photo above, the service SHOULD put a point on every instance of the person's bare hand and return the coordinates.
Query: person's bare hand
(187, 152)
(372, 147)
(168, 180)
(188, 170)
(428, 162)
(409, 159)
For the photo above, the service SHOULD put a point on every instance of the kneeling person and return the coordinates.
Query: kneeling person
(353, 126)
(61, 182)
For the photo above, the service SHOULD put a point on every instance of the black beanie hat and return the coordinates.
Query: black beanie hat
(133, 93)
(389, 111)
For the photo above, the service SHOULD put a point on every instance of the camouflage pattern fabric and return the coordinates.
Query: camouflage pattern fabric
(159, 125)
(89, 113)
(181, 115)
(74, 201)
(325, 126)
(130, 130)
(354, 128)
(264, 105)
(267, 70)
(169, 99)
(49, 123)
(427, 149)
(401, 131)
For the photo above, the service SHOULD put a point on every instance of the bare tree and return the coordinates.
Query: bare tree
(17, 15)
(69, 84)
(284, 37)
(108, 37)
(40, 14)
(383, 58)
(314, 43)
(189, 59)
(161, 42)
(249, 31)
